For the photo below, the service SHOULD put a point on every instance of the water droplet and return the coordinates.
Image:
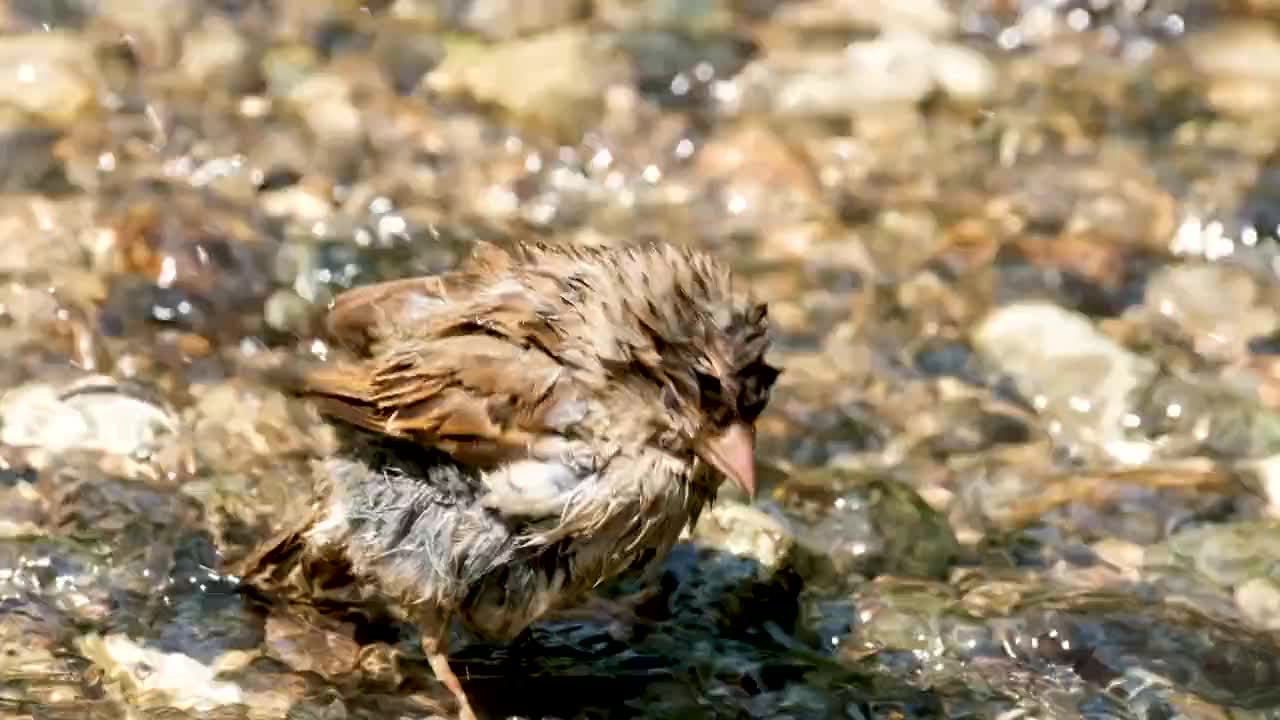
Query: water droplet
(680, 85)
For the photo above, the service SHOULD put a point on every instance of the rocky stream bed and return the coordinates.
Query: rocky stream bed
(1022, 259)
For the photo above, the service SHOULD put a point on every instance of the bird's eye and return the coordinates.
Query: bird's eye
(712, 398)
(757, 383)
(708, 386)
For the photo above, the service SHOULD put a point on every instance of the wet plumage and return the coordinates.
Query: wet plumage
(535, 422)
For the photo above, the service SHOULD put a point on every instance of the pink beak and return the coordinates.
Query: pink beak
(732, 452)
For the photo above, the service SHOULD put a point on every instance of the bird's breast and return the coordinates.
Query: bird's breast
(531, 489)
(620, 519)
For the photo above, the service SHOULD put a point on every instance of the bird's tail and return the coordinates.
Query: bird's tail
(271, 562)
(287, 567)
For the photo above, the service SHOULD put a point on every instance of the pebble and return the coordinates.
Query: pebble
(963, 73)
(154, 29)
(23, 511)
(57, 222)
(306, 647)
(1078, 379)
(745, 531)
(551, 78)
(696, 16)
(212, 50)
(896, 68)
(285, 66)
(858, 525)
(300, 204)
(1259, 601)
(1228, 555)
(91, 414)
(144, 673)
(325, 102)
(287, 312)
(931, 17)
(507, 19)
(48, 75)
(906, 173)
(1216, 306)
(1242, 61)
(1265, 475)
(29, 159)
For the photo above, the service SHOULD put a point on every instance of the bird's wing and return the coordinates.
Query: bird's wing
(364, 317)
(466, 363)
(480, 399)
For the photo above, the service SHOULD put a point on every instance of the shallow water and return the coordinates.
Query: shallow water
(1021, 259)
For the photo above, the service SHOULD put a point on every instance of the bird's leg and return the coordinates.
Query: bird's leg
(435, 645)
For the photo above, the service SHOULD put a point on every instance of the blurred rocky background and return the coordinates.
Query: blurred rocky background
(1023, 258)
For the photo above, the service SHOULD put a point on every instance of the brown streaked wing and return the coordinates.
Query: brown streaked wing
(477, 397)
(487, 257)
(362, 315)
(359, 314)
(339, 391)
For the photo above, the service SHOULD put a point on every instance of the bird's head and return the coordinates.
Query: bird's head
(682, 359)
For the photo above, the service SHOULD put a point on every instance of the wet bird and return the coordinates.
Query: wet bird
(530, 424)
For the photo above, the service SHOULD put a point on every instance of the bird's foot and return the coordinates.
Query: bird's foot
(435, 645)
(444, 673)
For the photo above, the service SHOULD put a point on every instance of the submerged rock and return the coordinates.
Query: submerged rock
(151, 677)
(1081, 381)
(745, 531)
(312, 645)
(898, 68)
(91, 413)
(1216, 307)
(506, 19)
(1006, 635)
(185, 260)
(1240, 59)
(189, 184)
(555, 80)
(49, 75)
(857, 525)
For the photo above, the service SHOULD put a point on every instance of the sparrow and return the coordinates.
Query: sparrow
(521, 428)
